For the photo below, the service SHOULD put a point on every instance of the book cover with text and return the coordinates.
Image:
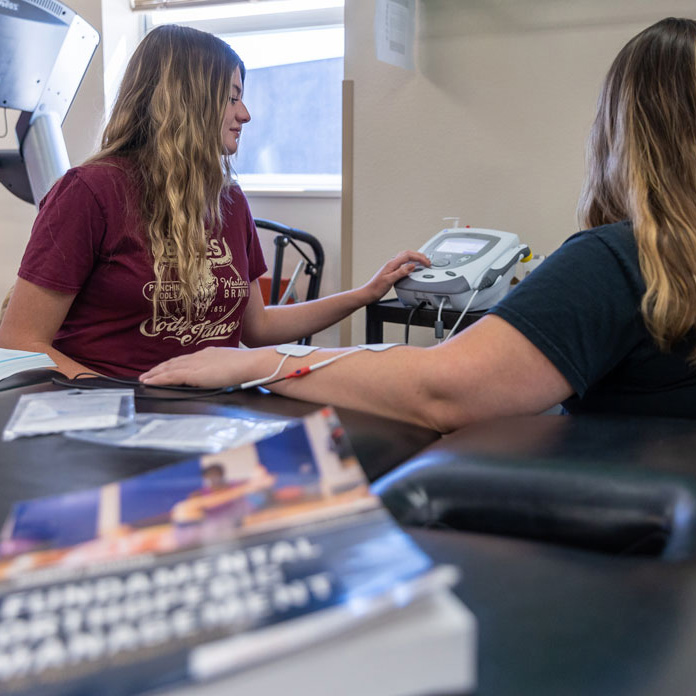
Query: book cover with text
(198, 568)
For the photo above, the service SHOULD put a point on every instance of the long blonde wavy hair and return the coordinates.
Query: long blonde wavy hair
(167, 121)
(642, 167)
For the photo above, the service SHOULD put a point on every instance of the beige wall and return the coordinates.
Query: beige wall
(490, 126)
(15, 223)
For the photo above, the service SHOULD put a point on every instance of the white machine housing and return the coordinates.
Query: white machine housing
(463, 259)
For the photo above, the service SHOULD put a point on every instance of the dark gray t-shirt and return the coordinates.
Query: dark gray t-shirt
(581, 308)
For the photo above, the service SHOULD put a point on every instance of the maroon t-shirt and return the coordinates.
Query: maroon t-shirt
(89, 238)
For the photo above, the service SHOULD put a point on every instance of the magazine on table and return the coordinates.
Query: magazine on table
(201, 567)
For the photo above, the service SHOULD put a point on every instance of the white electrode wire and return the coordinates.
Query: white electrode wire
(461, 316)
(263, 380)
(439, 311)
(316, 366)
(328, 361)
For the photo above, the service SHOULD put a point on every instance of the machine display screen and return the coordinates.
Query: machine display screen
(462, 245)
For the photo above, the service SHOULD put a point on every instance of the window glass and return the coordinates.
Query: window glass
(293, 52)
(293, 92)
(296, 119)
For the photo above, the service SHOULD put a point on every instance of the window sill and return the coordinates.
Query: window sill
(289, 193)
(302, 186)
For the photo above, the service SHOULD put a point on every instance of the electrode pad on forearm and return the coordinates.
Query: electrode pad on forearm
(299, 351)
(378, 347)
(295, 350)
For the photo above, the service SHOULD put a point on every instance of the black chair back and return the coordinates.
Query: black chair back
(307, 246)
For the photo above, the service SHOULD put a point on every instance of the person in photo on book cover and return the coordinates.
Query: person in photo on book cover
(221, 503)
(149, 249)
(606, 324)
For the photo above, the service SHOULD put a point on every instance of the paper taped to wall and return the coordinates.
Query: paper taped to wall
(395, 22)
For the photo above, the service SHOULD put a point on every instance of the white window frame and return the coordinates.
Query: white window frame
(250, 17)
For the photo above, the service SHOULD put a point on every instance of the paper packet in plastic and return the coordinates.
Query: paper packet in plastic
(73, 409)
(185, 432)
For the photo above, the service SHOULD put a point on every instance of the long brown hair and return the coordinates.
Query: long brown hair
(642, 167)
(167, 120)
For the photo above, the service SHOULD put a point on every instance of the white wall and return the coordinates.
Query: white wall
(490, 126)
(320, 216)
(122, 30)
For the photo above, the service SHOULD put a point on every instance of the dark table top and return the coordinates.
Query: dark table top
(565, 622)
(51, 464)
(552, 620)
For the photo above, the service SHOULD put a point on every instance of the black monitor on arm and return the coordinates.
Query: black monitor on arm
(45, 49)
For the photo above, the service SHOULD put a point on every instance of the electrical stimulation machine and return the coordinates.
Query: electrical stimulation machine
(466, 262)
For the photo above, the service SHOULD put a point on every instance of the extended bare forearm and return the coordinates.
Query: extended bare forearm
(292, 322)
(489, 370)
(268, 325)
(395, 384)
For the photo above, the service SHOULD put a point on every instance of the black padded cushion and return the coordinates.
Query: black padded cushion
(622, 485)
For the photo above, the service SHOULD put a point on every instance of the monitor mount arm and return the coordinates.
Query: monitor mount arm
(43, 92)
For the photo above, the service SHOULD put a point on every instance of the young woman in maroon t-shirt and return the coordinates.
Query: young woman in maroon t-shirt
(149, 250)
